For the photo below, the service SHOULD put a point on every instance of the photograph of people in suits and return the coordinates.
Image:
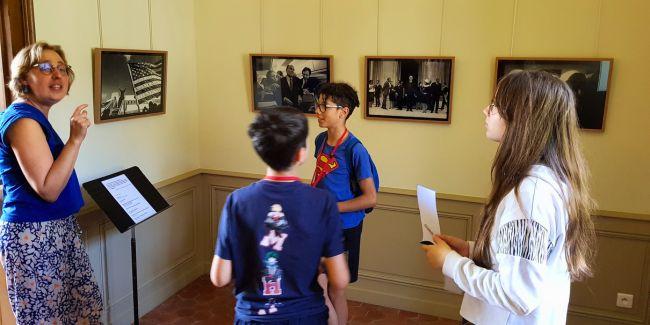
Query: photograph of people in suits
(277, 82)
(416, 88)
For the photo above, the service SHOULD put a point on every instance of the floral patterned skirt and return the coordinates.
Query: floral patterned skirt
(49, 276)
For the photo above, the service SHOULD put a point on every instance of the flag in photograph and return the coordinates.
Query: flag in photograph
(147, 80)
(108, 105)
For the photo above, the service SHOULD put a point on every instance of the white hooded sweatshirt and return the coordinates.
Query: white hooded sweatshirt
(529, 282)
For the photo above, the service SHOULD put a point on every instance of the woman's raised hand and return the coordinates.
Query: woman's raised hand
(79, 124)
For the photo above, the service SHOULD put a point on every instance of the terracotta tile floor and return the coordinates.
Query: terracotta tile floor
(202, 303)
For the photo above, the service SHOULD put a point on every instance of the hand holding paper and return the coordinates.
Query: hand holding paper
(428, 214)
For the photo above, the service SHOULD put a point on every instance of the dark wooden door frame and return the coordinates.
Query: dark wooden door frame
(16, 31)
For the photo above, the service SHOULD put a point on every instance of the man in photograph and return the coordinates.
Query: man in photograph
(271, 88)
(386, 89)
(378, 93)
(585, 89)
(290, 88)
(410, 89)
(436, 91)
(370, 98)
(426, 95)
(397, 94)
(444, 93)
(308, 85)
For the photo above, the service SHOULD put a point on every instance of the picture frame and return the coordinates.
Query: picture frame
(271, 86)
(128, 84)
(420, 88)
(589, 78)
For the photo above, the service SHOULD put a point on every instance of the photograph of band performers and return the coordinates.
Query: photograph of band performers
(409, 88)
(288, 80)
(129, 84)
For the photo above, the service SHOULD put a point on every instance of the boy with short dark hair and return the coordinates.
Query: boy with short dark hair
(342, 162)
(273, 233)
(344, 168)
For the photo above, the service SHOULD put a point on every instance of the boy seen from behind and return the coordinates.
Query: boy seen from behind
(274, 232)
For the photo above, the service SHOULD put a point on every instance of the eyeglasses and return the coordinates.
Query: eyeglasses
(492, 109)
(321, 108)
(47, 68)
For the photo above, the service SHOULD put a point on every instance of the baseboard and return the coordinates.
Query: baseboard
(429, 300)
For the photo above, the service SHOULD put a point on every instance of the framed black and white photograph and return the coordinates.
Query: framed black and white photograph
(409, 88)
(588, 77)
(128, 83)
(288, 80)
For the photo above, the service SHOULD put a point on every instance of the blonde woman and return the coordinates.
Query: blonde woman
(49, 276)
(536, 235)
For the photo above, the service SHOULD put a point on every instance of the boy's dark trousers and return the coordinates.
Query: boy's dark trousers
(352, 243)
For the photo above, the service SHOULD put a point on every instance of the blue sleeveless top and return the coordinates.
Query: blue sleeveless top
(21, 203)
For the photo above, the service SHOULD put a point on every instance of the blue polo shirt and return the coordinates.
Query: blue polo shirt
(21, 203)
(337, 182)
(275, 234)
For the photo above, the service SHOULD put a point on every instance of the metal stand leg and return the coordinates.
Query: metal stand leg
(134, 272)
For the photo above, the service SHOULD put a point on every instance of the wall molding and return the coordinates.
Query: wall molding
(402, 280)
(428, 296)
(407, 192)
(416, 290)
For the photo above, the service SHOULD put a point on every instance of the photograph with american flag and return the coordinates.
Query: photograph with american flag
(129, 83)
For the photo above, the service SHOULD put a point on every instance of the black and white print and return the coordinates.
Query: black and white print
(409, 88)
(589, 79)
(130, 84)
(524, 238)
(288, 80)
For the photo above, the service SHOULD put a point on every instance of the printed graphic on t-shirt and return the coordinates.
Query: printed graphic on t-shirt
(272, 277)
(270, 307)
(325, 164)
(277, 226)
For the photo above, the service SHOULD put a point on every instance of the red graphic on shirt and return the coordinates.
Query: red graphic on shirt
(324, 165)
(272, 286)
(272, 275)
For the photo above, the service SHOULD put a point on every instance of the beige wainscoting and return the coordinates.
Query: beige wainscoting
(177, 246)
(171, 250)
(394, 273)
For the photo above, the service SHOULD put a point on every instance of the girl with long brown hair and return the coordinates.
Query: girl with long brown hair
(536, 234)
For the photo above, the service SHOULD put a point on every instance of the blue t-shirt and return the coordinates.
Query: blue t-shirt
(337, 182)
(21, 203)
(275, 234)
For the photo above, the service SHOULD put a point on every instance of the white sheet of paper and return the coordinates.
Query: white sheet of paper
(428, 212)
(129, 198)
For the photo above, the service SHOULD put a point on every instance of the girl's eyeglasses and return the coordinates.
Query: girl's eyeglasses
(492, 109)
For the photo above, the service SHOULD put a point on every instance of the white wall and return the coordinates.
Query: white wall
(454, 158)
(163, 146)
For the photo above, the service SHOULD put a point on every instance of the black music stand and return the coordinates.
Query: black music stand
(128, 199)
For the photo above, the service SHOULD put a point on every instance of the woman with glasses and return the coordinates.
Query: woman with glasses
(49, 276)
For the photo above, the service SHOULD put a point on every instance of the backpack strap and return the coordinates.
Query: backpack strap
(354, 184)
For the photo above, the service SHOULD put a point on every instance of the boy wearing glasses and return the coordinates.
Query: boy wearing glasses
(273, 233)
(342, 162)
